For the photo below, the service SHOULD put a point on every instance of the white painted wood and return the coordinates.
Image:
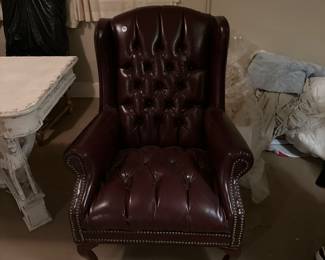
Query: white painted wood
(30, 88)
(28, 81)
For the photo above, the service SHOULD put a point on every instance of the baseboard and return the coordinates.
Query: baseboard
(85, 90)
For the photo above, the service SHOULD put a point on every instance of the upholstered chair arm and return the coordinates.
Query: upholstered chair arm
(91, 153)
(230, 156)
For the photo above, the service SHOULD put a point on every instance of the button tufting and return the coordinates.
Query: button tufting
(137, 83)
(169, 66)
(127, 66)
(188, 177)
(159, 85)
(128, 103)
(125, 176)
(159, 46)
(180, 84)
(145, 160)
(157, 73)
(157, 118)
(138, 120)
(172, 161)
(190, 66)
(148, 103)
(181, 48)
(188, 104)
(154, 176)
(147, 66)
(179, 121)
(169, 103)
(135, 44)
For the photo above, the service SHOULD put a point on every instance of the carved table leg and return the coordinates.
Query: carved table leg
(16, 175)
(85, 250)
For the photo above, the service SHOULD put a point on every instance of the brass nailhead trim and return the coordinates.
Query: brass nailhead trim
(75, 204)
(157, 233)
(236, 200)
(103, 240)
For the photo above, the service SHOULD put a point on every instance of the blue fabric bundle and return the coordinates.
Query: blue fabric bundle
(277, 73)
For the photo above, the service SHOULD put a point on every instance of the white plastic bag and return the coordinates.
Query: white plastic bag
(242, 108)
(309, 136)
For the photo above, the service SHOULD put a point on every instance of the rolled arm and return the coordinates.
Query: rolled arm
(229, 154)
(91, 154)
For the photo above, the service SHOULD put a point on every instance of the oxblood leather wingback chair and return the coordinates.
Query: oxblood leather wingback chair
(161, 162)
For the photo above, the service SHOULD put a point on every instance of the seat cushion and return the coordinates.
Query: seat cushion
(159, 189)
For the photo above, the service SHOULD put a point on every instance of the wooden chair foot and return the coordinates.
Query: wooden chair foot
(226, 257)
(85, 250)
(232, 254)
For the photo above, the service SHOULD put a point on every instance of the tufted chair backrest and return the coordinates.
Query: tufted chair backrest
(161, 67)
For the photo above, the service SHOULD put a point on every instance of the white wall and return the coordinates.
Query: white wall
(291, 27)
(82, 45)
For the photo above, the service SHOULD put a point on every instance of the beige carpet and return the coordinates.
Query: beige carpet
(288, 225)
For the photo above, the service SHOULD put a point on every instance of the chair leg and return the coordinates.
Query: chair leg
(85, 250)
(231, 254)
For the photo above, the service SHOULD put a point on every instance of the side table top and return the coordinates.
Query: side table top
(26, 81)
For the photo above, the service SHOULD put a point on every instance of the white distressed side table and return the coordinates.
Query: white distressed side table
(29, 88)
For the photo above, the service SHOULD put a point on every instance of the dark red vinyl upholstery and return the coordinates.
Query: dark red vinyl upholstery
(161, 162)
(170, 185)
(162, 76)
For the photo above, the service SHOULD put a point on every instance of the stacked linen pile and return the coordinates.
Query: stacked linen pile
(310, 136)
(268, 96)
(292, 96)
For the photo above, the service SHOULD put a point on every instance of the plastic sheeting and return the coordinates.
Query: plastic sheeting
(242, 107)
(35, 27)
(262, 115)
